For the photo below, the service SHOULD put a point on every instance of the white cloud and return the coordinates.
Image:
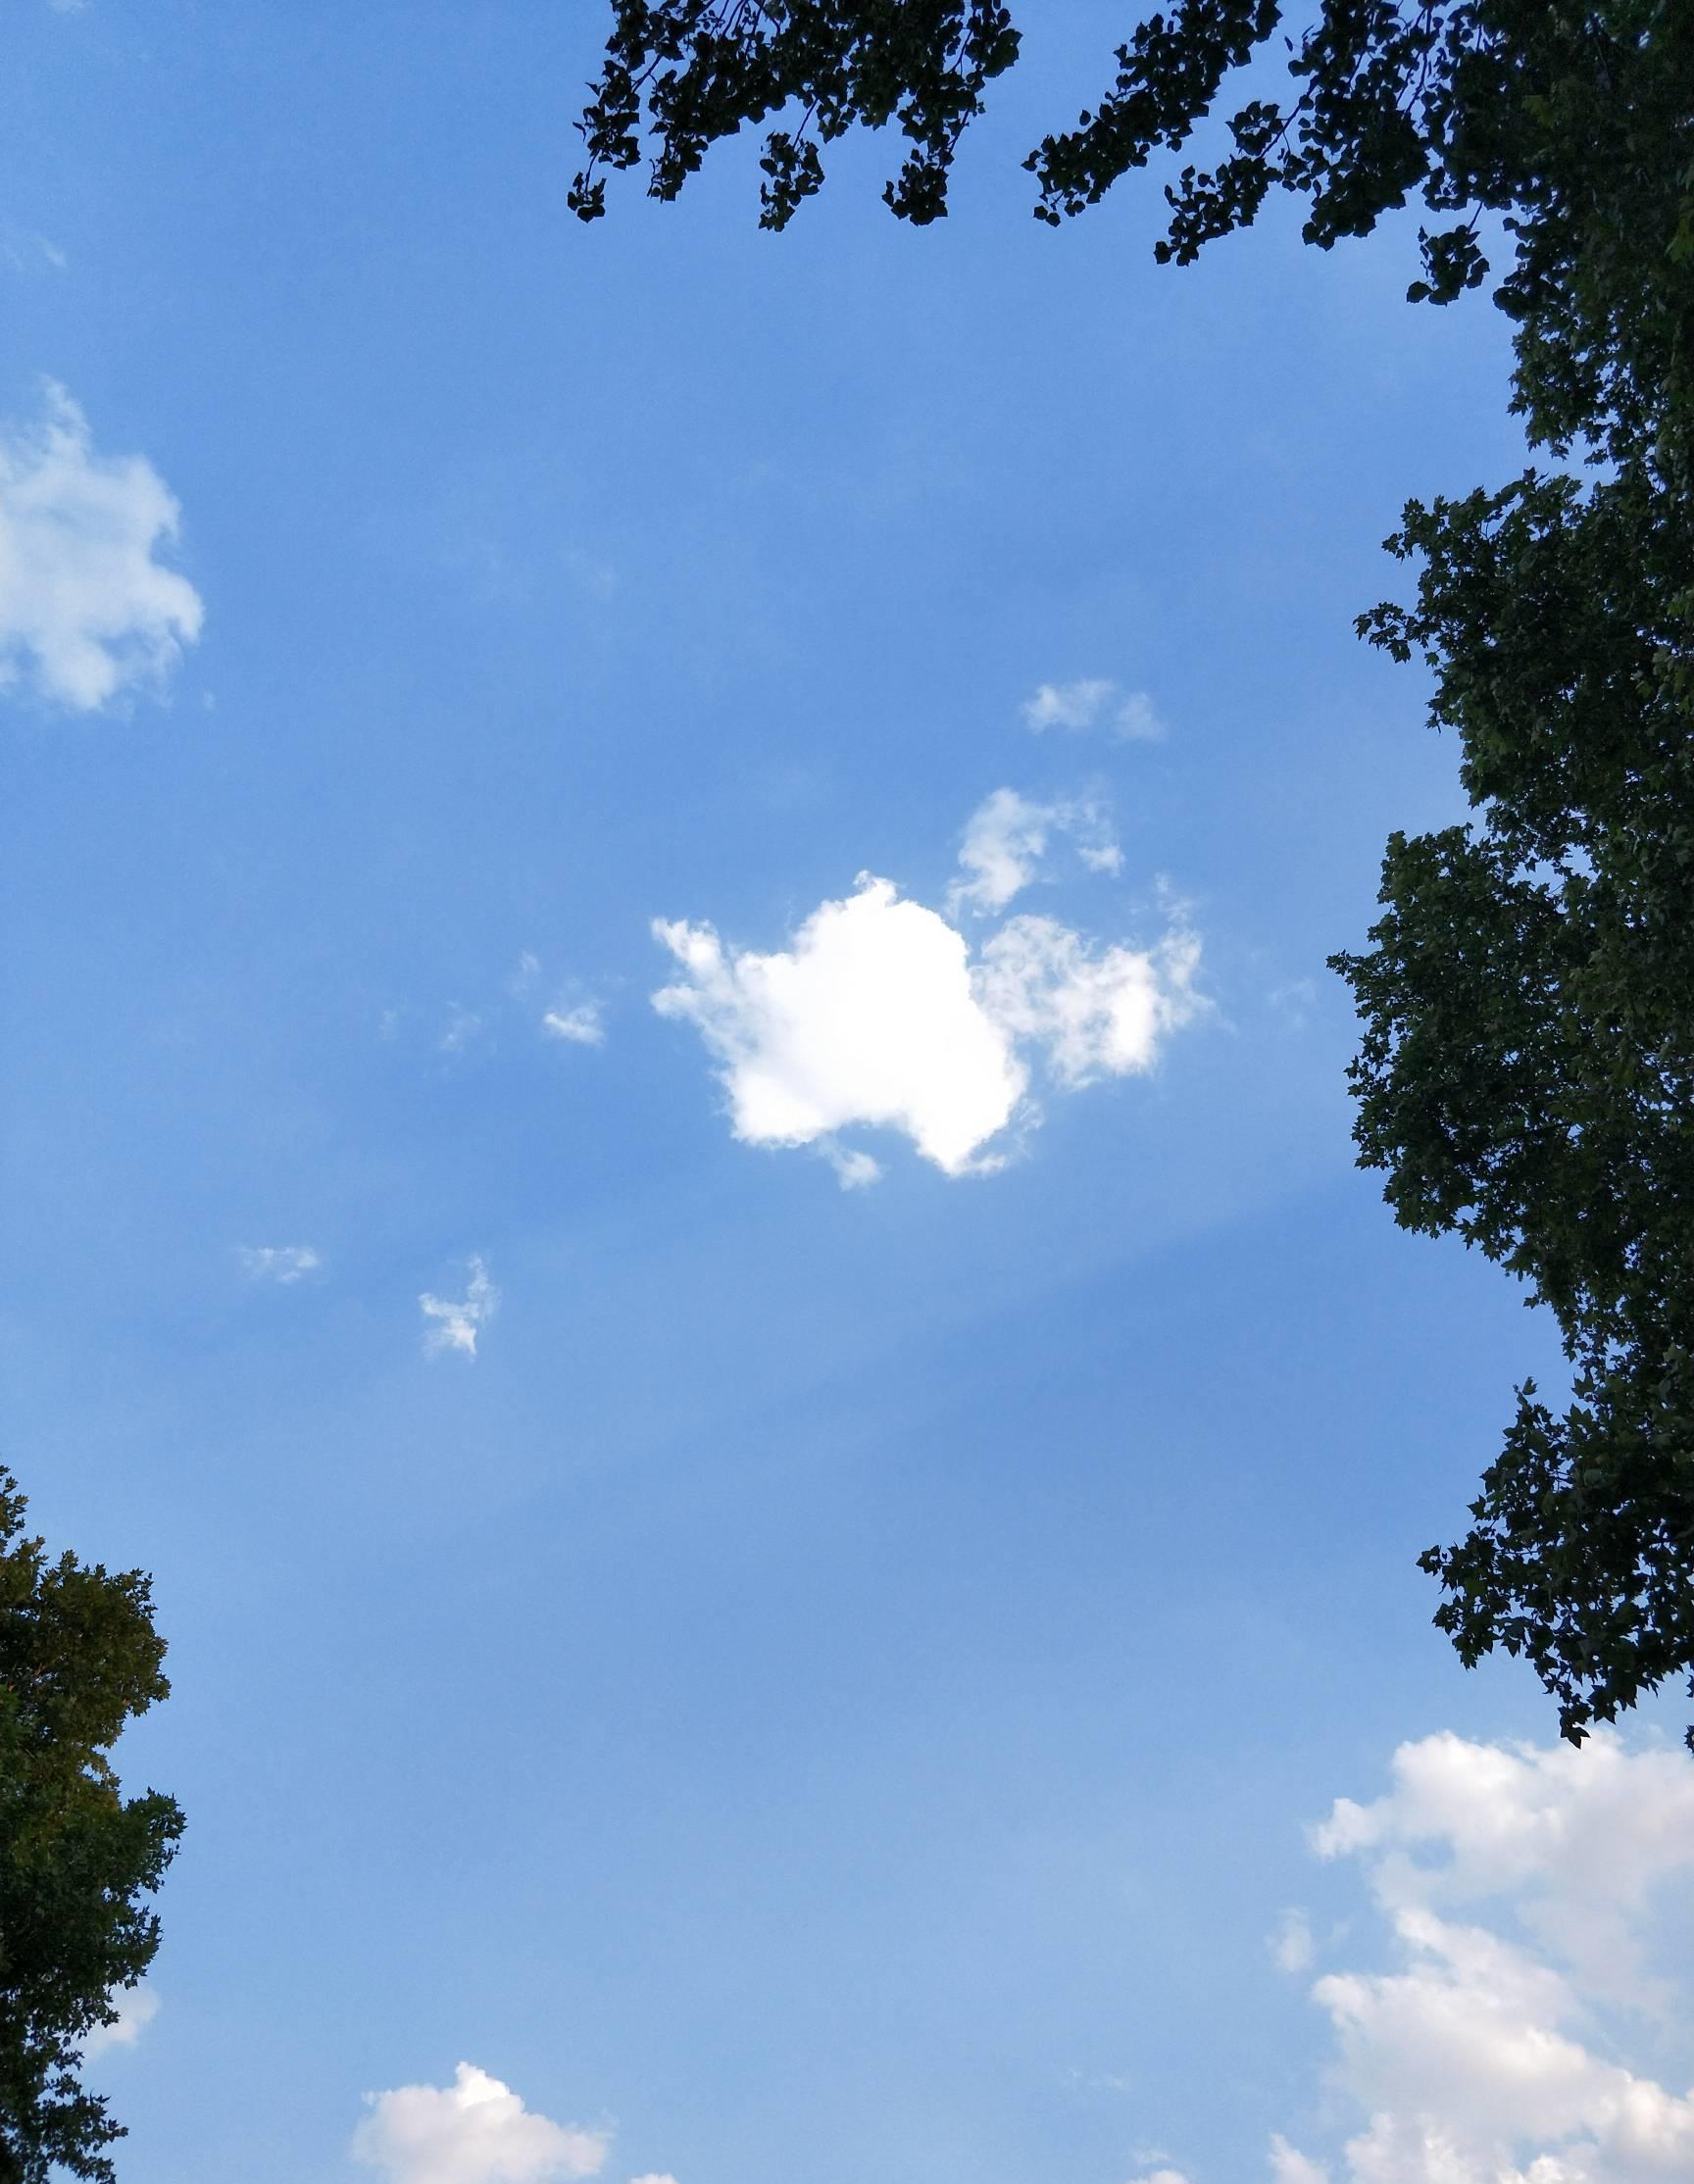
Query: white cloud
(580, 1026)
(475, 2131)
(1291, 1944)
(1579, 1839)
(869, 1018)
(463, 1026)
(136, 2011)
(1096, 701)
(853, 1168)
(1006, 838)
(456, 1324)
(654, 2179)
(1289, 2166)
(1488, 2055)
(1095, 1011)
(285, 1264)
(878, 1014)
(85, 609)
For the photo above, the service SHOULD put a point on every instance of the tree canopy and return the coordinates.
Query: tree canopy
(79, 1658)
(1525, 1077)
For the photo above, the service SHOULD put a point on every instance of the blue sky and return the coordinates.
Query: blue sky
(784, 1672)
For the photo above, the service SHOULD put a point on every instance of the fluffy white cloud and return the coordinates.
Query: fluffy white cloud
(1290, 2166)
(473, 2131)
(285, 1264)
(1579, 1839)
(878, 1015)
(1096, 701)
(86, 608)
(1488, 2057)
(136, 2011)
(1006, 838)
(869, 1017)
(580, 1026)
(455, 1323)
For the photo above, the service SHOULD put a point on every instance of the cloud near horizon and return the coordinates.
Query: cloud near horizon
(86, 609)
(1525, 1891)
(473, 2131)
(879, 1013)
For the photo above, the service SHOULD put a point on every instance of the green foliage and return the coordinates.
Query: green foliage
(1526, 1072)
(79, 1658)
(697, 70)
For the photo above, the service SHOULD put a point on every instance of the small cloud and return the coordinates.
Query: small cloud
(654, 2177)
(1096, 701)
(456, 1326)
(23, 252)
(475, 2131)
(136, 2011)
(86, 610)
(580, 1026)
(284, 1263)
(463, 1026)
(1006, 838)
(1293, 1002)
(1291, 1944)
(853, 1170)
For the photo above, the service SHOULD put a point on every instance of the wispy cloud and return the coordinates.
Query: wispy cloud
(1090, 1011)
(486, 1023)
(1096, 701)
(1006, 839)
(464, 1026)
(580, 1025)
(284, 1263)
(86, 609)
(453, 1324)
(881, 1013)
(1291, 1944)
(473, 2131)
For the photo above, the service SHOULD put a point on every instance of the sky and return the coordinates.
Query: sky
(676, 1154)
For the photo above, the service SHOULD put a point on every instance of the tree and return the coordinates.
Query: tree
(79, 1658)
(1526, 1073)
(1525, 1076)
